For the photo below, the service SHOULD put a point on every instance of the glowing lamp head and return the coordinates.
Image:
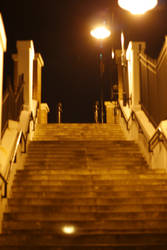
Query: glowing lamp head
(100, 32)
(137, 7)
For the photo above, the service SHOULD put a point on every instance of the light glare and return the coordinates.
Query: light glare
(137, 7)
(113, 54)
(100, 32)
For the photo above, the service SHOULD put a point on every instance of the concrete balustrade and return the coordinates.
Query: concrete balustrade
(110, 112)
(44, 109)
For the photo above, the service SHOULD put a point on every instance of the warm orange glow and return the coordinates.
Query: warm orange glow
(100, 32)
(137, 7)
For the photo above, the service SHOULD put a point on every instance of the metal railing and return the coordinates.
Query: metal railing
(157, 137)
(20, 138)
(12, 103)
(123, 115)
(5, 108)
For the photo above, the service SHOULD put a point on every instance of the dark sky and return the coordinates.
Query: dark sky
(60, 31)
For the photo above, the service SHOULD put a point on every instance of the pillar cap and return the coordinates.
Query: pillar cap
(39, 58)
(44, 106)
(109, 104)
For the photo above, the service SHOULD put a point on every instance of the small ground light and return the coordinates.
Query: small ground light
(68, 229)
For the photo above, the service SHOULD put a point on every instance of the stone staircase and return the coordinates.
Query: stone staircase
(84, 186)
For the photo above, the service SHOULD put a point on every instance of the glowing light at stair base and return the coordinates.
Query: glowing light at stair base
(68, 229)
(100, 32)
(137, 7)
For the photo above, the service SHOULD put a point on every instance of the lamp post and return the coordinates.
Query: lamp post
(137, 7)
(101, 33)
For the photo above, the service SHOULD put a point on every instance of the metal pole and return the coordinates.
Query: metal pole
(101, 101)
(101, 83)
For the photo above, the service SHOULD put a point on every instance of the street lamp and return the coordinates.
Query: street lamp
(137, 7)
(101, 33)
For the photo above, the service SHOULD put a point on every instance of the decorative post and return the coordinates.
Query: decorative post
(59, 112)
(96, 112)
(3, 47)
(25, 66)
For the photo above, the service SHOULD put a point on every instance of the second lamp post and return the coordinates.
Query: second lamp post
(101, 33)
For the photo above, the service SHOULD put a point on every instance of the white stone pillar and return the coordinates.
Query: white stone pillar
(25, 66)
(44, 109)
(37, 77)
(3, 47)
(110, 112)
(132, 55)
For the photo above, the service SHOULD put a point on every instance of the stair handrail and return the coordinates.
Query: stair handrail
(157, 137)
(123, 115)
(19, 139)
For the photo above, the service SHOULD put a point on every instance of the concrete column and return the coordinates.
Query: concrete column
(37, 77)
(15, 71)
(25, 66)
(110, 111)
(3, 47)
(120, 74)
(43, 117)
(132, 55)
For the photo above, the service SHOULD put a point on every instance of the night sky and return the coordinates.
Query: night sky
(60, 30)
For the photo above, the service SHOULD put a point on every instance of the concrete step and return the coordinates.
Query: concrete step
(136, 188)
(88, 194)
(97, 171)
(88, 247)
(96, 156)
(86, 208)
(89, 201)
(88, 225)
(94, 167)
(87, 175)
(89, 181)
(89, 216)
(86, 240)
(88, 143)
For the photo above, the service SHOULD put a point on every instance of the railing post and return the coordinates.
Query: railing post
(59, 112)
(96, 112)
(5, 186)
